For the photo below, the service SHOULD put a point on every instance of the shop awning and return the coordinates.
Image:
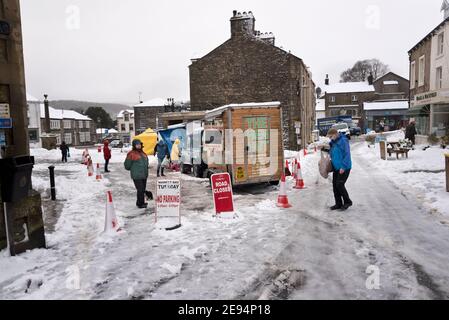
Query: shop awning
(419, 111)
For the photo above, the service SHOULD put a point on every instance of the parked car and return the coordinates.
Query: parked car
(343, 128)
(116, 144)
(354, 130)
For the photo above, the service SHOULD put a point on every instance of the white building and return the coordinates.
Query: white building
(125, 125)
(68, 125)
(320, 109)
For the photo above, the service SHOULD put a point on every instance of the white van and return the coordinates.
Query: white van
(343, 128)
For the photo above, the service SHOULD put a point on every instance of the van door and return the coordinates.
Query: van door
(257, 146)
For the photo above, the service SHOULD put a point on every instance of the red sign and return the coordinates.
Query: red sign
(222, 191)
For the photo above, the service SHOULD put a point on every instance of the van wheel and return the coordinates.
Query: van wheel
(274, 183)
(197, 171)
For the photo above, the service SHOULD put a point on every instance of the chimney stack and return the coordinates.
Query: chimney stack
(326, 81)
(370, 79)
(243, 24)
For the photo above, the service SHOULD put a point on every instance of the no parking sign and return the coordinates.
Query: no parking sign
(222, 192)
(168, 203)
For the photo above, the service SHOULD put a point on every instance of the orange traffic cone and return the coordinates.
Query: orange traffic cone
(299, 179)
(287, 169)
(283, 199)
(110, 223)
(98, 174)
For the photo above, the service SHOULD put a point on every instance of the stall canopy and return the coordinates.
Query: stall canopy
(172, 133)
(149, 140)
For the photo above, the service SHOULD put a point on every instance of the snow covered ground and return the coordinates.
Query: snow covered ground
(305, 252)
(421, 176)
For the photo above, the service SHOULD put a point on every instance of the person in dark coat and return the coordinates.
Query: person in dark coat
(137, 163)
(340, 153)
(106, 154)
(410, 132)
(64, 151)
(161, 150)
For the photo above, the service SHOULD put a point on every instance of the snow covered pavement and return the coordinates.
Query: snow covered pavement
(305, 252)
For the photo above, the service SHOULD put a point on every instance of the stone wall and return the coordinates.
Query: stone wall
(146, 117)
(247, 69)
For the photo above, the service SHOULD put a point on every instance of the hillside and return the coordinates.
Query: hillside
(80, 106)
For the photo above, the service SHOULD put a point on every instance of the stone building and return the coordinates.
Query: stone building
(146, 115)
(249, 67)
(125, 125)
(429, 81)
(23, 218)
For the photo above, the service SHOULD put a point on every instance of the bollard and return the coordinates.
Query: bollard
(447, 172)
(52, 182)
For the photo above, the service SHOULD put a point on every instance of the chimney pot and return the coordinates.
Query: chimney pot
(326, 81)
(234, 13)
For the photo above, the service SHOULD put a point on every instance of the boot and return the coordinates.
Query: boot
(162, 172)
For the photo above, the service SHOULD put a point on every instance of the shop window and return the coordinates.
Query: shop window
(33, 135)
(440, 120)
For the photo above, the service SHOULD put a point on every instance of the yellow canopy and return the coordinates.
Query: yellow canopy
(149, 140)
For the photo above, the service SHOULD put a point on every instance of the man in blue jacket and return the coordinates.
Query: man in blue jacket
(341, 162)
(161, 150)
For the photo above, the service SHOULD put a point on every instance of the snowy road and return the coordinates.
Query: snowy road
(306, 252)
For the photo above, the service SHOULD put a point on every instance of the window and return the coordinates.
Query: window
(33, 135)
(131, 127)
(123, 127)
(58, 139)
(440, 49)
(2, 9)
(68, 138)
(87, 136)
(354, 98)
(412, 75)
(439, 79)
(67, 124)
(82, 137)
(126, 115)
(87, 124)
(80, 124)
(421, 72)
(332, 98)
(55, 124)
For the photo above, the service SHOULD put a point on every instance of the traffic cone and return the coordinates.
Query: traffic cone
(305, 152)
(98, 174)
(283, 199)
(315, 149)
(299, 179)
(110, 223)
(90, 168)
(99, 149)
(287, 169)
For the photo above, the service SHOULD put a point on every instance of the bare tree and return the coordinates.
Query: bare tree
(362, 69)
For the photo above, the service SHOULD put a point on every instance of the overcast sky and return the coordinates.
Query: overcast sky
(109, 50)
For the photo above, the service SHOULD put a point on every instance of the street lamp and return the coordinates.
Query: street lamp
(47, 114)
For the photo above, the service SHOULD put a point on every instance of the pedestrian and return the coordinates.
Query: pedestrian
(106, 154)
(161, 150)
(64, 151)
(381, 126)
(340, 153)
(175, 154)
(137, 163)
(410, 132)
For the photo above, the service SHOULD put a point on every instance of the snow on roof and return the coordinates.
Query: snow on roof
(158, 102)
(218, 111)
(348, 87)
(320, 105)
(130, 111)
(391, 82)
(60, 114)
(386, 105)
(106, 131)
(30, 98)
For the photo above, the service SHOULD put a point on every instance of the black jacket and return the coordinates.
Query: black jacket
(410, 131)
(64, 148)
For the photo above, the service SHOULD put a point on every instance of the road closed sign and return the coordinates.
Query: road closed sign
(222, 193)
(168, 203)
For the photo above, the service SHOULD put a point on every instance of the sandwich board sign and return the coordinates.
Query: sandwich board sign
(222, 193)
(168, 204)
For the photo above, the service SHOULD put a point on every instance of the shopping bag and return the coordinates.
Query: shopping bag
(325, 165)
(165, 163)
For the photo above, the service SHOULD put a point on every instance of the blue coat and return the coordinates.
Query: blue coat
(341, 153)
(161, 149)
